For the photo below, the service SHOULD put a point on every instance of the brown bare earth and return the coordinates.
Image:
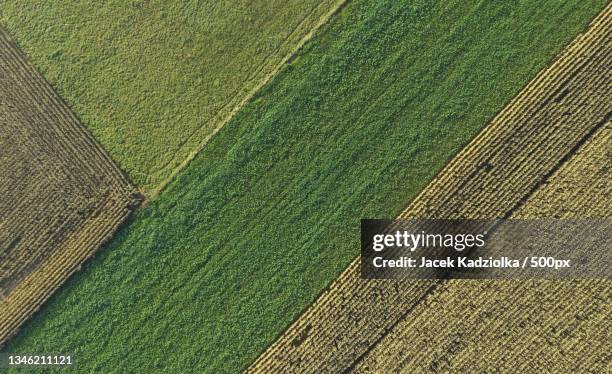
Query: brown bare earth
(517, 167)
(61, 195)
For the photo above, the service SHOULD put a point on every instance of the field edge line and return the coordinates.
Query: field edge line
(340, 5)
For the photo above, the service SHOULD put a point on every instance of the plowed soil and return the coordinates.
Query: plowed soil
(61, 195)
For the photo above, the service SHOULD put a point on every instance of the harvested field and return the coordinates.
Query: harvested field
(518, 326)
(154, 80)
(516, 154)
(582, 188)
(267, 215)
(61, 195)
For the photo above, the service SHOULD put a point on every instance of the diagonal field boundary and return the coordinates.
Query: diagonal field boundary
(61, 196)
(226, 117)
(529, 140)
(522, 326)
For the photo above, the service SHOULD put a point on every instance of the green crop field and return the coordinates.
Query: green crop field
(152, 79)
(255, 227)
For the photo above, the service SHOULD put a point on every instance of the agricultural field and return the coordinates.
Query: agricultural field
(255, 227)
(61, 196)
(154, 80)
(566, 328)
(582, 188)
(521, 156)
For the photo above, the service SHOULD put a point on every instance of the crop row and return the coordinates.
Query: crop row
(490, 178)
(543, 325)
(62, 195)
(266, 216)
(582, 187)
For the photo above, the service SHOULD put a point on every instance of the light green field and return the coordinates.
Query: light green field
(152, 79)
(248, 235)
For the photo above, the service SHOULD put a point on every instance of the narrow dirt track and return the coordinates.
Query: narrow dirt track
(62, 196)
(513, 159)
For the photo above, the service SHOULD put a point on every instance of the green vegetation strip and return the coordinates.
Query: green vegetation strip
(268, 214)
(153, 79)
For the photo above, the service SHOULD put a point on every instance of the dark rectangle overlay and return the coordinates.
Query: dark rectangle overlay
(486, 249)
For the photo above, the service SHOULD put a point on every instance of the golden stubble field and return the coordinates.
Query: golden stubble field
(61, 196)
(544, 155)
(541, 325)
